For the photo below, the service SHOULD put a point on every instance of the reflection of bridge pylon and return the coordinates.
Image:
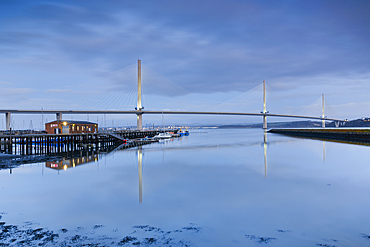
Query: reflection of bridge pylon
(265, 150)
(323, 151)
(140, 169)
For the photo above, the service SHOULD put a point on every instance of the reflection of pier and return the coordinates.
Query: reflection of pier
(73, 162)
(69, 157)
(88, 155)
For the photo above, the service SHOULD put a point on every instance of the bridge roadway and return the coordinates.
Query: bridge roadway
(164, 112)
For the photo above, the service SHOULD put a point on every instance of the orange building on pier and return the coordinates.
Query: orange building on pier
(70, 127)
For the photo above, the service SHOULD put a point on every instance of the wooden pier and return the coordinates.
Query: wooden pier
(51, 144)
(138, 134)
(44, 144)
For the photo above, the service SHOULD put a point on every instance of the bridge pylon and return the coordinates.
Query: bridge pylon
(264, 107)
(59, 116)
(139, 106)
(323, 111)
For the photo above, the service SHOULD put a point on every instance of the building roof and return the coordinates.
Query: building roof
(72, 122)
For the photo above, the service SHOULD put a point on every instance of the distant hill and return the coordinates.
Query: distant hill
(295, 124)
(361, 122)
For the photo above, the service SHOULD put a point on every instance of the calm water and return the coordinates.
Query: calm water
(212, 188)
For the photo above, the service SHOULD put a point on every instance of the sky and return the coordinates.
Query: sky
(196, 55)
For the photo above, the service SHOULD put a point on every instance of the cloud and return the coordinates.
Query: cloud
(5, 83)
(58, 91)
(204, 47)
(16, 91)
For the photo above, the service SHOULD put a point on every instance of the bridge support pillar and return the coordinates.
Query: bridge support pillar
(7, 120)
(323, 111)
(59, 116)
(139, 106)
(139, 121)
(264, 107)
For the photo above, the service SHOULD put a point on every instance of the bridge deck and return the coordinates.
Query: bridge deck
(165, 112)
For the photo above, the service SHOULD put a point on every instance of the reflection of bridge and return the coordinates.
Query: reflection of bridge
(140, 112)
(140, 152)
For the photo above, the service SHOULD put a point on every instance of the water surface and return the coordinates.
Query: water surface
(216, 187)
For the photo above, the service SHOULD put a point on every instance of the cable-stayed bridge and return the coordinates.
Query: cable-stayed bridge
(139, 110)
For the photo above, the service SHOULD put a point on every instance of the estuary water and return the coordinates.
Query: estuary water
(215, 187)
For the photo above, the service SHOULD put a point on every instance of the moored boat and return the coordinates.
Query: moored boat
(163, 135)
(183, 132)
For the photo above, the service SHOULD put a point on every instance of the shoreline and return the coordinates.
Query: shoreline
(352, 135)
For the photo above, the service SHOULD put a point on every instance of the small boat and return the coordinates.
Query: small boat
(165, 135)
(183, 132)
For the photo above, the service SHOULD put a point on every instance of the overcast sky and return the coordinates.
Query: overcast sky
(196, 55)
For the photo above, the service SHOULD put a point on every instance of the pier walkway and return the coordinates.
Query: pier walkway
(49, 144)
(351, 135)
